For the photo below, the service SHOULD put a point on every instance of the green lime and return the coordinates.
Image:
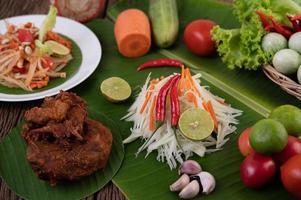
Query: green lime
(196, 124)
(57, 48)
(290, 117)
(115, 89)
(268, 136)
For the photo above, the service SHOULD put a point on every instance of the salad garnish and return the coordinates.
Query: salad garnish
(157, 109)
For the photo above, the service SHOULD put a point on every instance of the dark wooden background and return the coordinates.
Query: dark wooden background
(11, 113)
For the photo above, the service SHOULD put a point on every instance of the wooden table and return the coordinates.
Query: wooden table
(11, 113)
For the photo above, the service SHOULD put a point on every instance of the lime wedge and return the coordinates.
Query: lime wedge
(115, 89)
(57, 48)
(196, 124)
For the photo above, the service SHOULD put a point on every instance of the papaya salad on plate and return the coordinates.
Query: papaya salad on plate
(31, 56)
(43, 54)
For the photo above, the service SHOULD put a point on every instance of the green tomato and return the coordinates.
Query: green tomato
(273, 42)
(295, 42)
(287, 61)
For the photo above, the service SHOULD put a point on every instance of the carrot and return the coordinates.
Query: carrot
(152, 114)
(212, 113)
(182, 81)
(192, 83)
(205, 105)
(39, 84)
(148, 95)
(191, 98)
(56, 37)
(132, 33)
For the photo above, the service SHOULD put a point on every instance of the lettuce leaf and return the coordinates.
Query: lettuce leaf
(48, 23)
(241, 48)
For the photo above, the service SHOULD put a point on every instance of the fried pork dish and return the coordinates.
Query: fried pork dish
(63, 143)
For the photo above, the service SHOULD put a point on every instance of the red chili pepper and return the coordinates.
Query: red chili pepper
(295, 20)
(19, 70)
(159, 63)
(272, 25)
(264, 19)
(174, 103)
(161, 99)
(281, 29)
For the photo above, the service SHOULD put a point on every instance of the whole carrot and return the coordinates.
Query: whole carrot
(159, 63)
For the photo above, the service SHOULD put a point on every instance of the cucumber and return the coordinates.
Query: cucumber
(165, 21)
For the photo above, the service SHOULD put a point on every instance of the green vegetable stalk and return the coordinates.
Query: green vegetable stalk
(241, 48)
(47, 25)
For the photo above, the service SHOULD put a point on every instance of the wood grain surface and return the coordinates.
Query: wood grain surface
(11, 113)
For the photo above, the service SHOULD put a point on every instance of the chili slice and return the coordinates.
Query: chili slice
(159, 63)
(295, 20)
(174, 103)
(281, 29)
(161, 99)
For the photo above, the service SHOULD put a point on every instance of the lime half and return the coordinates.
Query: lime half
(196, 124)
(115, 89)
(57, 48)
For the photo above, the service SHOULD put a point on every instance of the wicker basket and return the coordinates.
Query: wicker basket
(283, 81)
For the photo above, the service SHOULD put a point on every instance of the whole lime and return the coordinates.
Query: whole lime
(268, 136)
(290, 117)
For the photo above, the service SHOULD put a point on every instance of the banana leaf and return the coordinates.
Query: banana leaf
(18, 175)
(252, 92)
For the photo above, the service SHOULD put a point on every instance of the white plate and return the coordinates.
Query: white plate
(80, 34)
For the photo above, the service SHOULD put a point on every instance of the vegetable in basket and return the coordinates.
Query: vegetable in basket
(241, 47)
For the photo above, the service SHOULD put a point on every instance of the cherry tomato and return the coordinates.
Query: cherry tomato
(25, 35)
(47, 62)
(20, 70)
(197, 37)
(244, 144)
(291, 175)
(292, 148)
(257, 170)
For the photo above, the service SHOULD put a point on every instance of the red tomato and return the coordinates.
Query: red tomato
(257, 170)
(22, 70)
(47, 62)
(25, 35)
(197, 37)
(291, 175)
(292, 148)
(244, 144)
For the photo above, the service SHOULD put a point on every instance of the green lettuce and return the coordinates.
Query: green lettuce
(241, 47)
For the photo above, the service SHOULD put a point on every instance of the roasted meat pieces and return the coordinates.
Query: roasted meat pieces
(63, 143)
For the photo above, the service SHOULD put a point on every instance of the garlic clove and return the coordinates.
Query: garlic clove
(206, 180)
(180, 183)
(190, 191)
(190, 167)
